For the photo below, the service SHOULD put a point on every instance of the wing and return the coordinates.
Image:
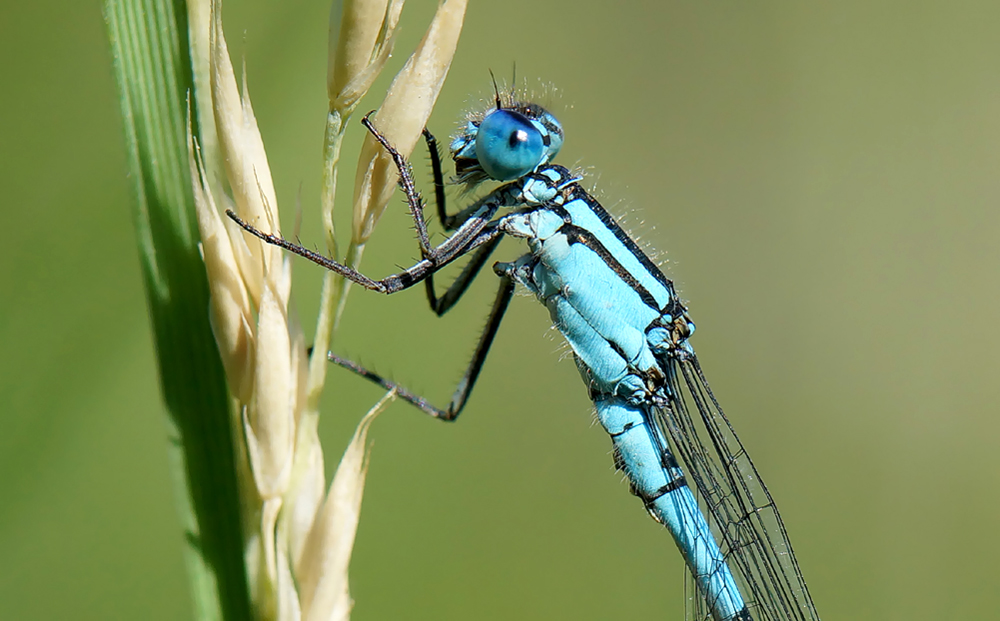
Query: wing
(733, 497)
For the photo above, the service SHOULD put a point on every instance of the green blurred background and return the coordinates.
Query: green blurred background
(823, 180)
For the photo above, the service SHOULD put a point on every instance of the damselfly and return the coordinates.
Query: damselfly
(629, 333)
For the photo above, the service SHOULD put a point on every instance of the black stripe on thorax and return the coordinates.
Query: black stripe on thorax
(576, 234)
(578, 192)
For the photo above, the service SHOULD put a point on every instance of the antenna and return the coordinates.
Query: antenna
(496, 90)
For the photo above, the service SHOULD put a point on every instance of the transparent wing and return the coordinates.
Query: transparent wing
(733, 498)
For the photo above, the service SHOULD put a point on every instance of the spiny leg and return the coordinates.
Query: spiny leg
(465, 385)
(441, 305)
(467, 238)
(438, 176)
(448, 222)
(406, 183)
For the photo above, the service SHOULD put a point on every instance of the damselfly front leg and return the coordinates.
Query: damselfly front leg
(452, 221)
(477, 230)
(441, 305)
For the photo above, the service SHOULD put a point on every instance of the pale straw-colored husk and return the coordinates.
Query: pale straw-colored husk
(299, 531)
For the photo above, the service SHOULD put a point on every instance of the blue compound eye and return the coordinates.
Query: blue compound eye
(508, 145)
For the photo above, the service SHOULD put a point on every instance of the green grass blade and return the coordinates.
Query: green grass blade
(149, 40)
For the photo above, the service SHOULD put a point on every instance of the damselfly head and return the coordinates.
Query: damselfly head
(505, 142)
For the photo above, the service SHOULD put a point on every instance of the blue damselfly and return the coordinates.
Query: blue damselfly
(629, 333)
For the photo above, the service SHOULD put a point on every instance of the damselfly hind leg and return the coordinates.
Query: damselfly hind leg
(468, 381)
